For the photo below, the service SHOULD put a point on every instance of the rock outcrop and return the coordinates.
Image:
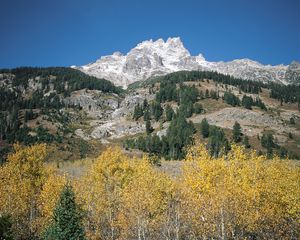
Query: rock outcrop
(152, 58)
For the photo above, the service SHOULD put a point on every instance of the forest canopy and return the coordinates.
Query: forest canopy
(241, 195)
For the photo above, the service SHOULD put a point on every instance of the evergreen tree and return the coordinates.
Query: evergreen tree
(214, 94)
(292, 121)
(5, 228)
(201, 94)
(186, 109)
(198, 108)
(145, 104)
(157, 110)
(236, 132)
(247, 102)
(259, 103)
(179, 135)
(188, 94)
(141, 144)
(267, 141)
(204, 127)
(138, 112)
(28, 115)
(282, 152)
(149, 129)
(169, 113)
(84, 148)
(246, 142)
(218, 143)
(164, 146)
(155, 145)
(67, 218)
(231, 99)
(206, 93)
(146, 115)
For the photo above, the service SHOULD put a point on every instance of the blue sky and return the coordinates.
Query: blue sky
(65, 32)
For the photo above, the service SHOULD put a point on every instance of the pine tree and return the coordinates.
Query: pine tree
(186, 109)
(145, 104)
(204, 128)
(66, 219)
(246, 142)
(179, 135)
(267, 141)
(198, 108)
(231, 99)
(169, 113)
(146, 115)
(149, 129)
(292, 121)
(157, 110)
(217, 143)
(5, 228)
(247, 102)
(206, 93)
(236, 132)
(138, 112)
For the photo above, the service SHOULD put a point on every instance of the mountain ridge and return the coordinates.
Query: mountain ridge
(153, 58)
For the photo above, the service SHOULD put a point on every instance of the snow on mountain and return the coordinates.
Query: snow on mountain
(152, 58)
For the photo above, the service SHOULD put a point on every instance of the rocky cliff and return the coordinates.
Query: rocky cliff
(152, 58)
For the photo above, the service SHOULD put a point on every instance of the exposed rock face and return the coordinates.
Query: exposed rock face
(117, 129)
(151, 58)
(94, 102)
(80, 133)
(252, 122)
(293, 73)
(130, 101)
(112, 115)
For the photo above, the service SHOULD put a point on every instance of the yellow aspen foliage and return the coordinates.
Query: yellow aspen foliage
(240, 196)
(236, 196)
(145, 203)
(124, 198)
(21, 180)
(48, 198)
(99, 193)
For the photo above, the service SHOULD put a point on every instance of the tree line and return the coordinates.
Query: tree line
(62, 78)
(283, 93)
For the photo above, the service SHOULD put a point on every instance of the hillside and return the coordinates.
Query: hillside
(38, 105)
(78, 115)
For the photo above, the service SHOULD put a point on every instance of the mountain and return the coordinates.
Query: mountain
(77, 114)
(293, 72)
(153, 58)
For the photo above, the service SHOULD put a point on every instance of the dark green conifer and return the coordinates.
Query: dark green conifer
(236, 132)
(66, 222)
(204, 127)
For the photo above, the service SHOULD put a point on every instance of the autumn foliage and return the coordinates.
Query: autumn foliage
(240, 196)
(237, 196)
(28, 190)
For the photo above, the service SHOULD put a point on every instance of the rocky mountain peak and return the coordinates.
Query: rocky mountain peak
(176, 41)
(200, 57)
(118, 54)
(152, 58)
(293, 73)
(171, 46)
